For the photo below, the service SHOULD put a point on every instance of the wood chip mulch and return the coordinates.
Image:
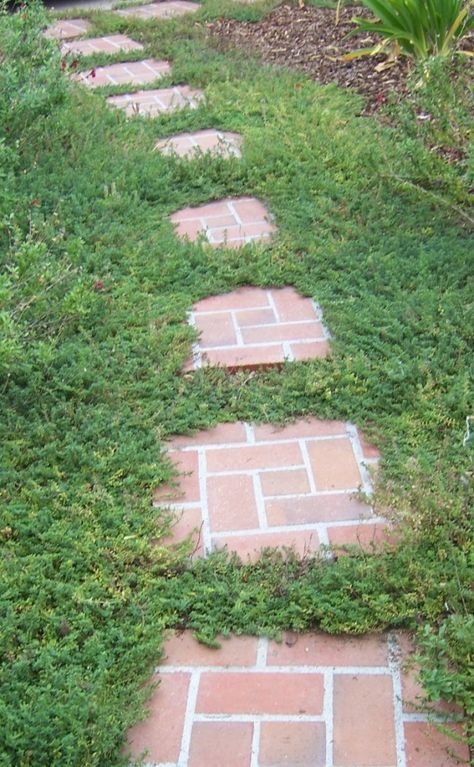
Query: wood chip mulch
(309, 40)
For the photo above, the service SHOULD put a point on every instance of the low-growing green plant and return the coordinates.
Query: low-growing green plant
(418, 28)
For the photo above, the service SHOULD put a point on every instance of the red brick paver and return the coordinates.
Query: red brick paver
(155, 102)
(249, 487)
(66, 29)
(127, 73)
(256, 328)
(216, 142)
(109, 44)
(163, 10)
(312, 701)
(230, 222)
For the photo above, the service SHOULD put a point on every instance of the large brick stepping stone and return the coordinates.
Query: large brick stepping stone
(66, 29)
(164, 10)
(156, 102)
(230, 222)
(250, 487)
(129, 73)
(312, 701)
(216, 142)
(256, 328)
(110, 44)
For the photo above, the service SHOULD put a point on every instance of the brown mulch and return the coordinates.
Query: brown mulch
(309, 40)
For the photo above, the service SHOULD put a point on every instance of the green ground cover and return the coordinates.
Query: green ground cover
(94, 290)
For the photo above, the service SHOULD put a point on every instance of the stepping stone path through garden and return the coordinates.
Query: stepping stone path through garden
(313, 700)
(254, 328)
(216, 142)
(111, 44)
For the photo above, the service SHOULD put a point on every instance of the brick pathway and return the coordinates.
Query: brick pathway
(249, 487)
(312, 701)
(65, 29)
(109, 44)
(127, 73)
(229, 222)
(155, 102)
(188, 144)
(256, 328)
(163, 10)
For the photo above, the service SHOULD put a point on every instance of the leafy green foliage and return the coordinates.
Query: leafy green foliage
(94, 291)
(420, 28)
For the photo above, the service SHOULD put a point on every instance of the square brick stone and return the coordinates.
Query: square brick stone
(318, 649)
(216, 333)
(187, 487)
(133, 73)
(65, 29)
(260, 693)
(426, 746)
(249, 545)
(334, 465)
(231, 502)
(319, 508)
(110, 44)
(183, 650)
(367, 536)
(292, 744)
(364, 730)
(285, 482)
(161, 733)
(156, 102)
(221, 143)
(160, 10)
(254, 457)
(214, 744)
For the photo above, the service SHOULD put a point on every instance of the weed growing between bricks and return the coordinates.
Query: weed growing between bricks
(96, 288)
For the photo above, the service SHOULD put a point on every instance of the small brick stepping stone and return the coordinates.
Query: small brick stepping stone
(311, 701)
(214, 141)
(249, 487)
(164, 10)
(254, 328)
(230, 222)
(129, 73)
(156, 102)
(110, 44)
(66, 29)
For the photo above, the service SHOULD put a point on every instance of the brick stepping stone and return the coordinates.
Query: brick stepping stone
(214, 141)
(156, 102)
(249, 487)
(312, 701)
(66, 29)
(231, 222)
(110, 44)
(129, 73)
(164, 10)
(253, 328)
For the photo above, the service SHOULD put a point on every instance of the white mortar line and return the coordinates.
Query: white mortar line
(287, 351)
(271, 301)
(279, 324)
(255, 743)
(206, 528)
(257, 491)
(394, 663)
(226, 311)
(258, 718)
(261, 344)
(250, 433)
(195, 348)
(269, 669)
(307, 465)
(272, 442)
(237, 330)
(319, 313)
(328, 714)
(234, 214)
(262, 652)
(356, 446)
(189, 718)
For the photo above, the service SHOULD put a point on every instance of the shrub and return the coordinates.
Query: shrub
(419, 28)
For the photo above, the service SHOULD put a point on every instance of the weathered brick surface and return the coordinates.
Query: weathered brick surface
(251, 327)
(232, 222)
(260, 486)
(155, 102)
(312, 701)
(109, 44)
(216, 142)
(66, 29)
(126, 73)
(161, 10)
